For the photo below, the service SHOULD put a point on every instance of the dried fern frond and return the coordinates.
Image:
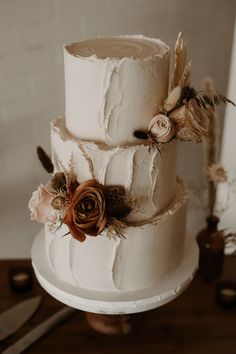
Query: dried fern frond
(71, 165)
(55, 226)
(45, 159)
(115, 228)
(70, 176)
(180, 61)
(211, 98)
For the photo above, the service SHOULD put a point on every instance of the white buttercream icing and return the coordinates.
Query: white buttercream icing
(113, 86)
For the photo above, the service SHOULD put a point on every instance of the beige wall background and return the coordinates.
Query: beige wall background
(32, 33)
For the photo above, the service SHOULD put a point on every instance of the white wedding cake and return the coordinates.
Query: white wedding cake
(115, 211)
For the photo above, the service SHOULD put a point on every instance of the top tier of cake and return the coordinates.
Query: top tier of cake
(113, 86)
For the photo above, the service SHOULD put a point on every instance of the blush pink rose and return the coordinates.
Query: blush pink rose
(40, 205)
(161, 129)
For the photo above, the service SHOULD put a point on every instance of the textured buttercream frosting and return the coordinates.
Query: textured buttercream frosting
(107, 97)
(146, 256)
(113, 87)
(142, 170)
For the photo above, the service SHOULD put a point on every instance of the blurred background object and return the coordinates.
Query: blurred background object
(32, 82)
(226, 197)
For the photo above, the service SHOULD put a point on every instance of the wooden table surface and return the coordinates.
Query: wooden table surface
(191, 324)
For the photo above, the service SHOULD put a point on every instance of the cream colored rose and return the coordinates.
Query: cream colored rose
(40, 205)
(161, 129)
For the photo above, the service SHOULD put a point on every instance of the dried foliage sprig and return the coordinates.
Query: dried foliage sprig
(86, 208)
(115, 228)
(185, 78)
(88, 159)
(210, 97)
(185, 113)
(45, 159)
(181, 69)
(211, 144)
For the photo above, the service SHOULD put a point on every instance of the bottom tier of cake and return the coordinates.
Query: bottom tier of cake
(146, 256)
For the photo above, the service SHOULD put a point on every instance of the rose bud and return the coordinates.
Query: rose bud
(161, 129)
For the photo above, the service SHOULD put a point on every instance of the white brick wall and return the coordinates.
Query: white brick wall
(32, 84)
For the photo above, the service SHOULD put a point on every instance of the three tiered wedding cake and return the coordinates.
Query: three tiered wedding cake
(114, 210)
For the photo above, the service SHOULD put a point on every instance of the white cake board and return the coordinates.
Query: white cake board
(110, 302)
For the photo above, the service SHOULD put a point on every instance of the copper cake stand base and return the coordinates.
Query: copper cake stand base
(114, 324)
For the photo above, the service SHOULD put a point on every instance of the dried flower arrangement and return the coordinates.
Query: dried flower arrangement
(89, 207)
(184, 113)
(215, 173)
(86, 208)
(211, 240)
(216, 177)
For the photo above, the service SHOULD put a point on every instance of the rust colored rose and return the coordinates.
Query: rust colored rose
(86, 212)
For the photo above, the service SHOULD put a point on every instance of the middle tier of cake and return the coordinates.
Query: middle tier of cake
(147, 174)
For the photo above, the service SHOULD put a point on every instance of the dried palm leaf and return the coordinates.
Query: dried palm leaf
(180, 61)
(211, 98)
(185, 78)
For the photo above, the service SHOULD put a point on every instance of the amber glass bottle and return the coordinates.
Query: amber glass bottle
(211, 250)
